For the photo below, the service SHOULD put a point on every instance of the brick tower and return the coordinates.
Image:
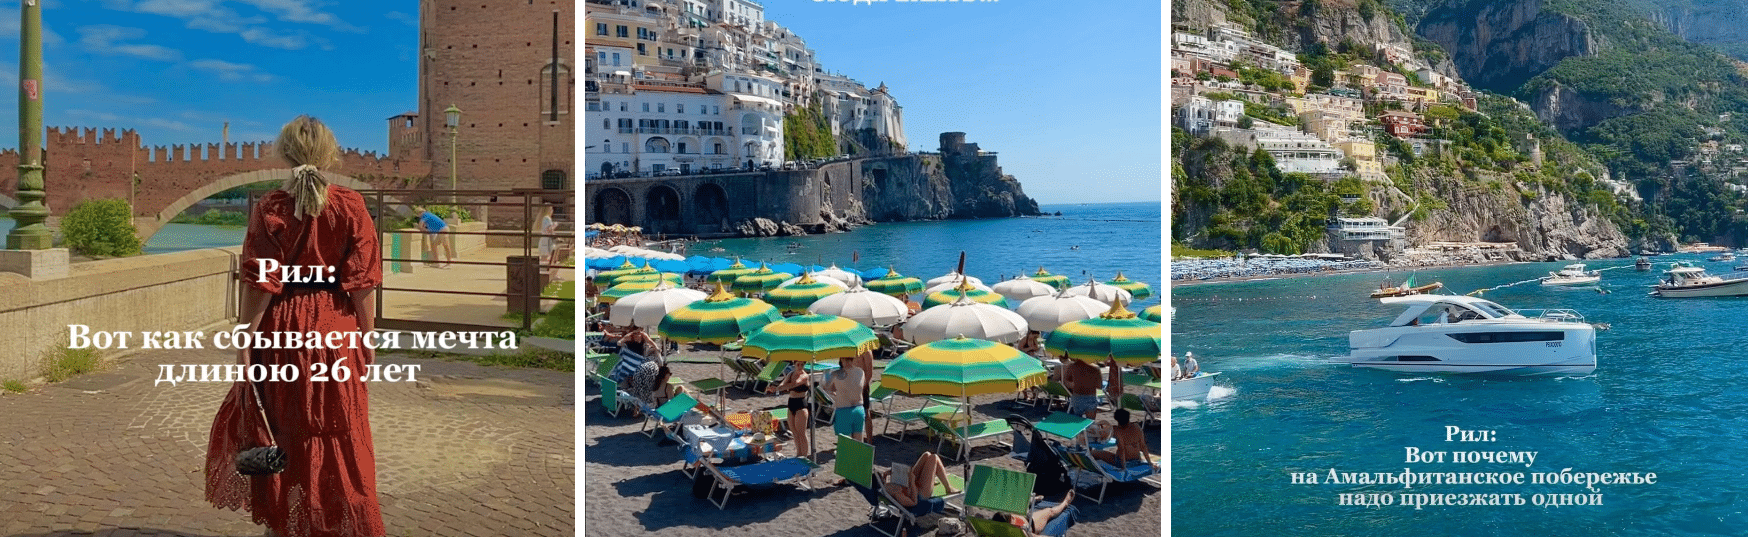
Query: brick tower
(507, 64)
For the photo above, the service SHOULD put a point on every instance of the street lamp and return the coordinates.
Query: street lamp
(452, 119)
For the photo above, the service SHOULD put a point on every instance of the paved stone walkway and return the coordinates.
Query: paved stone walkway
(449, 308)
(467, 451)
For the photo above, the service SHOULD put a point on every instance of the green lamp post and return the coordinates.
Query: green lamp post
(32, 232)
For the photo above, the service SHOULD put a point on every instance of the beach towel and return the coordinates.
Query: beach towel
(629, 362)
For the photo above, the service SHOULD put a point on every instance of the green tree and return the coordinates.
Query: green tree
(101, 227)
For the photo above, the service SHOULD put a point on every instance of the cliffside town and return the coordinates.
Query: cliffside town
(706, 118)
(1329, 127)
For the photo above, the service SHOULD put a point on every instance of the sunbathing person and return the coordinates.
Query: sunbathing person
(920, 482)
(1046, 518)
(1131, 444)
(1030, 344)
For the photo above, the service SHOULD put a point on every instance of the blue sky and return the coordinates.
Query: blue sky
(1068, 94)
(176, 70)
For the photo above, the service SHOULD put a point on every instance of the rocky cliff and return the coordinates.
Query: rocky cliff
(1300, 25)
(1545, 225)
(1499, 45)
(937, 187)
(1719, 24)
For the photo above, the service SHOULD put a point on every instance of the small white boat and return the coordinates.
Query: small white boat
(1726, 256)
(1571, 275)
(1194, 388)
(1684, 281)
(1464, 334)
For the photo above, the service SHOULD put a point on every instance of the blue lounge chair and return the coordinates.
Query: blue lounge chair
(1082, 463)
(792, 470)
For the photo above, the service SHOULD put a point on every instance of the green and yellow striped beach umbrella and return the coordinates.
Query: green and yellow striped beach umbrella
(810, 338)
(796, 297)
(1153, 313)
(719, 318)
(675, 278)
(1055, 280)
(607, 277)
(976, 295)
(963, 367)
(1138, 290)
(894, 284)
(760, 281)
(622, 290)
(1118, 333)
(729, 275)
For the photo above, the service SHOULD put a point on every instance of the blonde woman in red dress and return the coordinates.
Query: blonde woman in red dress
(329, 485)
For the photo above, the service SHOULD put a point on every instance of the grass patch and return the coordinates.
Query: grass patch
(65, 363)
(13, 385)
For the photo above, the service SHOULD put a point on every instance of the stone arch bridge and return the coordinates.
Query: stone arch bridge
(80, 164)
(712, 204)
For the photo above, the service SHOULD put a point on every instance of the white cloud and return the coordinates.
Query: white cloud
(231, 71)
(402, 18)
(127, 121)
(104, 38)
(274, 38)
(303, 11)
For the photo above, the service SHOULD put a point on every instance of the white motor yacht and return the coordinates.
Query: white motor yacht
(1684, 281)
(1194, 388)
(1571, 275)
(1464, 334)
(1726, 256)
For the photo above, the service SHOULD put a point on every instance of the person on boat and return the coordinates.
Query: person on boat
(796, 384)
(1191, 369)
(1083, 381)
(1173, 367)
(1132, 446)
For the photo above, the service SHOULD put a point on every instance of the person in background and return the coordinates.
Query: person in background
(796, 383)
(920, 483)
(1083, 381)
(434, 226)
(548, 227)
(1046, 518)
(1132, 446)
(1191, 369)
(846, 387)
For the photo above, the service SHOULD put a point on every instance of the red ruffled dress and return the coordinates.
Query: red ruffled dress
(329, 486)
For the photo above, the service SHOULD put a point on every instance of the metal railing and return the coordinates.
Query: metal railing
(524, 287)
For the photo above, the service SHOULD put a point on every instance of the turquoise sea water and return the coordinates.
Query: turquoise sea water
(176, 237)
(1669, 397)
(1110, 236)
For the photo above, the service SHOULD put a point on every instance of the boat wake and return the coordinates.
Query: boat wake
(1221, 392)
(1419, 379)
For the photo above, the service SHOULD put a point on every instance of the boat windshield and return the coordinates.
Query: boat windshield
(1495, 311)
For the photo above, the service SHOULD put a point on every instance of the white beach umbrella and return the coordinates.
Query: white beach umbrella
(951, 285)
(867, 307)
(963, 317)
(1046, 313)
(649, 307)
(839, 274)
(822, 279)
(1022, 288)
(952, 277)
(1101, 292)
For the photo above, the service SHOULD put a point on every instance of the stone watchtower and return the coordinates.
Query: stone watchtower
(954, 144)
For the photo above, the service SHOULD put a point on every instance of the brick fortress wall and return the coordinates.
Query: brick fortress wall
(81, 164)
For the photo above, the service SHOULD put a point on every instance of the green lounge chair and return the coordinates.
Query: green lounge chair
(773, 372)
(1133, 403)
(611, 402)
(668, 416)
(907, 418)
(963, 436)
(855, 461)
(1001, 490)
(1084, 464)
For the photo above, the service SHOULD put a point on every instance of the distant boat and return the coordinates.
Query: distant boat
(1570, 275)
(1404, 289)
(1687, 282)
(1643, 265)
(1726, 257)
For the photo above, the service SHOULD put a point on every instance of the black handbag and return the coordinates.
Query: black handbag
(267, 460)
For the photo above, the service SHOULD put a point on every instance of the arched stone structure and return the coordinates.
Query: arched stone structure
(149, 226)
(662, 210)
(7, 202)
(710, 208)
(612, 206)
